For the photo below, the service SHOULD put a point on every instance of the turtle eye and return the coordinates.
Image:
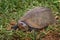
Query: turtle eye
(23, 24)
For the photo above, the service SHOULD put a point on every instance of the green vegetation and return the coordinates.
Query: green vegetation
(14, 9)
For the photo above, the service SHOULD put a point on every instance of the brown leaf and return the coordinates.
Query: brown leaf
(12, 22)
(8, 27)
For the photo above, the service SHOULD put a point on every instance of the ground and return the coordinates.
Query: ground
(12, 10)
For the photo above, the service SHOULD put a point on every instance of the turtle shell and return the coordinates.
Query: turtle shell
(38, 17)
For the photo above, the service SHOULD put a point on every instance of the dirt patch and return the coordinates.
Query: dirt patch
(52, 36)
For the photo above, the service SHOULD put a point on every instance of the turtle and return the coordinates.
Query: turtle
(36, 18)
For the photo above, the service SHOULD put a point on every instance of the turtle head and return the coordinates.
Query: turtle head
(22, 26)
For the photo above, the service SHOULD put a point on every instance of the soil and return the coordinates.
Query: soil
(52, 36)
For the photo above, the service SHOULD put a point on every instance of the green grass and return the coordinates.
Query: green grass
(14, 9)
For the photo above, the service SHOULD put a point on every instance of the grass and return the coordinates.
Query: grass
(14, 9)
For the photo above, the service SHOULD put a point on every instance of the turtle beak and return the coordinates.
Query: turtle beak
(15, 27)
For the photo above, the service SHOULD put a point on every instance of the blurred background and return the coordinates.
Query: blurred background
(12, 10)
